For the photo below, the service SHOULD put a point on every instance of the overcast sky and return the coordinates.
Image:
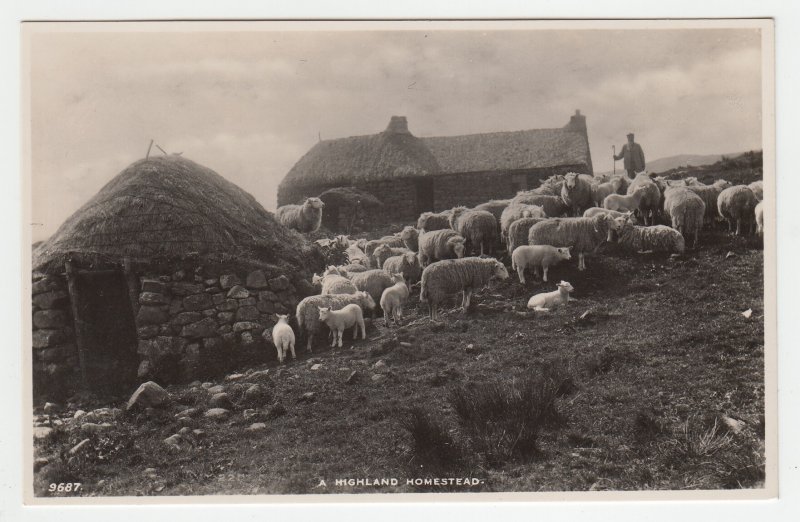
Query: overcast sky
(249, 105)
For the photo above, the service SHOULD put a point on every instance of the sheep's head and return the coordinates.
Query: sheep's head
(324, 313)
(565, 286)
(614, 225)
(722, 184)
(342, 241)
(570, 180)
(409, 233)
(411, 258)
(500, 271)
(283, 319)
(565, 253)
(366, 300)
(316, 279)
(382, 250)
(314, 203)
(398, 278)
(423, 220)
(457, 244)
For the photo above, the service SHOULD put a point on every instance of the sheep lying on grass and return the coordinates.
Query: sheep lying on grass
(337, 284)
(406, 264)
(737, 204)
(535, 256)
(282, 337)
(440, 244)
(410, 237)
(577, 192)
(553, 206)
(686, 211)
(518, 232)
(758, 189)
(384, 252)
(430, 221)
(658, 238)
(464, 275)
(582, 234)
(478, 227)
(650, 203)
(393, 299)
(303, 218)
(709, 194)
(308, 310)
(517, 211)
(549, 300)
(760, 218)
(340, 320)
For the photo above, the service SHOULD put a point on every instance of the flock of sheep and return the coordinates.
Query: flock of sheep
(447, 252)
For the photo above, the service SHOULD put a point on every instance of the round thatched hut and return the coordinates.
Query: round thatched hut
(167, 273)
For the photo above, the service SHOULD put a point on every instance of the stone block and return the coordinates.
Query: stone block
(225, 317)
(185, 318)
(228, 305)
(267, 295)
(151, 315)
(248, 301)
(267, 307)
(276, 284)
(218, 298)
(228, 281)
(256, 279)
(152, 298)
(225, 328)
(247, 313)
(184, 289)
(197, 302)
(204, 328)
(176, 306)
(238, 292)
(153, 285)
(146, 332)
(246, 326)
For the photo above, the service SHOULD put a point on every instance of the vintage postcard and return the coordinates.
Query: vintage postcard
(369, 261)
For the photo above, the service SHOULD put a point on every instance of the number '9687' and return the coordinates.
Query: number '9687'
(64, 487)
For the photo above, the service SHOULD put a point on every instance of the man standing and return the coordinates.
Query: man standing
(634, 157)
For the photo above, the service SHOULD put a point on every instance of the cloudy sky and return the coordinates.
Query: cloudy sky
(250, 104)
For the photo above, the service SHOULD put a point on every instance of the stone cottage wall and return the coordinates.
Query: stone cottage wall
(195, 320)
(55, 355)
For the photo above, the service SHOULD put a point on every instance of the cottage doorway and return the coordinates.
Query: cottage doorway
(107, 331)
(423, 195)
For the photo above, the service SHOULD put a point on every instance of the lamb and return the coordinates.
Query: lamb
(685, 210)
(596, 211)
(650, 203)
(601, 190)
(627, 203)
(410, 237)
(546, 301)
(374, 282)
(340, 320)
(384, 252)
(308, 310)
(582, 234)
(737, 203)
(393, 299)
(536, 256)
(303, 218)
(429, 221)
(407, 264)
(478, 227)
(577, 192)
(760, 218)
(450, 276)
(758, 189)
(658, 238)
(440, 244)
(709, 194)
(337, 284)
(517, 211)
(553, 206)
(518, 232)
(282, 337)
(390, 241)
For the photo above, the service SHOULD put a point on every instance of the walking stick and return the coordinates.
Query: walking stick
(614, 157)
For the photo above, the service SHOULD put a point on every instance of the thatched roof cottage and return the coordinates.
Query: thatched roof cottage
(411, 175)
(167, 273)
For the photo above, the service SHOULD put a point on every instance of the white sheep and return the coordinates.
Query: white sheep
(584, 235)
(517, 211)
(596, 211)
(410, 237)
(737, 204)
(374, 282)
(335, 283)
(494, 206)
(464, 275)
(650, 204)
(478, 227)
(709, 194)
(601, 190)
(553, 206)
(384, 252)
(340, 320)
(686, 211)
(440, 244)
(535, 256)
(356, 256)
(393, 299)
(390, 241)
(307, 312)
(282, 337)
(657, 238)
(760, 218)
(303, 218)
(430, 221)
(518, 232)
(626, 203)
(407, 264)
(546, 301)
(577, 192)
(758, 189)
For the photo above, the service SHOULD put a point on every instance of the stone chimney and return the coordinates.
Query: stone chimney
(577, 122)
(397, 125)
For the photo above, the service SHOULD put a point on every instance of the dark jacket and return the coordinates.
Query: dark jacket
(634, 157)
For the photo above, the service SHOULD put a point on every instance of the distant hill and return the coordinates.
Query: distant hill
(682, 160)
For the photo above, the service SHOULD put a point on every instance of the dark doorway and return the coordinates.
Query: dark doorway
(108, 331)
(424, 195)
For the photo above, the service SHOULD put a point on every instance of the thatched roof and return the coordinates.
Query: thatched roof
(170, 207)
(349, 196)
(396, 153)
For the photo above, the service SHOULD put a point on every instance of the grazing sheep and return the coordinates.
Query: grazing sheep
(536, 256)
(337, 284)
(495, 207)
(384, 252)
(758, 189)
(627, 203)
(709, 194)
(447, 277)
(553, 206)
(596, 211)
(601, 190)
(374, 282)
(518, 232)
(303, 218)
(430, 221)
(478, 227)
(577, 192)
(650, 203)
(517, 211)
(546, 301)
(393, 299)
(658, 238)
(760, 218)
(685, 210)
(410, 237)
(582, 234)
(407, 264)
(737, 204)
(340, 320)
(357, 256)
(308, 310)
(282, 337)
(440, 244)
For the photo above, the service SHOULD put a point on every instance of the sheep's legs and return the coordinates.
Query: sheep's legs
(521, 274)
(465, 301)
(308, 343)
(544, 269)
(738, 227)
(363, 329)
(291, 347)
(581, 263)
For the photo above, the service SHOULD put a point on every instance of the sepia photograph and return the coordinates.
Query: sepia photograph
(367, 260)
